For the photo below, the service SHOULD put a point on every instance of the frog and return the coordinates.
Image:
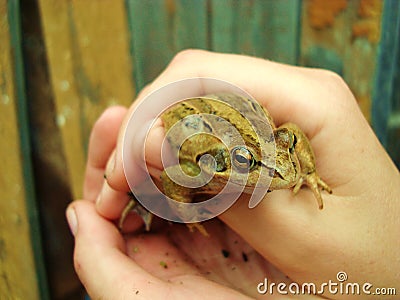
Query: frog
(293, 163)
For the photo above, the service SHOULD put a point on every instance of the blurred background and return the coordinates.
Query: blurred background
(62, 62)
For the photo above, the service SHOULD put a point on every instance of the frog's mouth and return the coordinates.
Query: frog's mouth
(259, 176)
(239, 166)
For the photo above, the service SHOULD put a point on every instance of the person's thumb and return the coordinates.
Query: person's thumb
(99, 257)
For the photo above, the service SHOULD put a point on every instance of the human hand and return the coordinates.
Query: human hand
(358, 224)
(168, 261)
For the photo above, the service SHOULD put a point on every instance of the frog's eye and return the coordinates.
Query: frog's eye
(243, 159)
(293, 142)
(286, 138)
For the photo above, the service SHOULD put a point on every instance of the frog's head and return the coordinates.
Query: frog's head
(242, 165)
(287, 166)
(249, 167)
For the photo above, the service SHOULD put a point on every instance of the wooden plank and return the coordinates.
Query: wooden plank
(21, 263)
(262, 28)
(343, 36)
(231, 29)
(151, 38)
(90, 67)
(386, 100)
(388, 66)
(161, 28)
(48, 160)
(393, 137)
(276, 30)
(190, 28)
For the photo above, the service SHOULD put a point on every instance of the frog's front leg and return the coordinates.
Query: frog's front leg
(134, 205)
(181, 194)
(306, 158)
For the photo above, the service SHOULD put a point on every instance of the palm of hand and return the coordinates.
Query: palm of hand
(306, 244)
(183, 259)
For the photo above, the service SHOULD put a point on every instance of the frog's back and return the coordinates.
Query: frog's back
(246, 106)
(241, 112)
(225, 105)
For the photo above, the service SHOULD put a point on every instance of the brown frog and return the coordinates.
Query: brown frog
(292, 166)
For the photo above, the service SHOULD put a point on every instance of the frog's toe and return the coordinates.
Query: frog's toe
(131, 204)
(313, 182)
(144, 214)
(199, 227)
(298, 185)
(317, 195)
(324, 186)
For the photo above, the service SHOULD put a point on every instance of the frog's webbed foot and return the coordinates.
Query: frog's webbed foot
(314, 182)
(133, 205)
(306, 159)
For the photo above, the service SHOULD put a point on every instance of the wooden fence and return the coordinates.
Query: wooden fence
(62, 62)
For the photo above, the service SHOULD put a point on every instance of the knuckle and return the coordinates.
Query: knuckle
(186, 56)
(101, 122)
(109, 114)
(332, 78)
(333, 82)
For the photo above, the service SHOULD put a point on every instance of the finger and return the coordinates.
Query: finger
(115, 174)
(100, 259)
(289, 93)
(111, 202)
(108, 273)
(101, 144)
(323, 107)
(113, 198)
(285, 90)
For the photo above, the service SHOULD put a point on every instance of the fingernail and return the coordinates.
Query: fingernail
(72, 221)
(110, 165)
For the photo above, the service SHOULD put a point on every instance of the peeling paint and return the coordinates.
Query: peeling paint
(322, 13)
(18, 188)
(16, 219)
(64, 85)
(5, 99)
(394, 120)
(369, 24)
(370, 8)
(60, 120)
(113, 101)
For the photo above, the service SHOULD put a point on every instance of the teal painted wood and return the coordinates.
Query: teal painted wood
(386, 97)
(14, 20)
(191, 25)
(228, 31)
(322, 57)
(159, 31)
(393, 137)
(151, 43)
(263, 28)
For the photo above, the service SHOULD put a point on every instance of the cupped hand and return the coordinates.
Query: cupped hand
(168, 262)
(357, 231)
